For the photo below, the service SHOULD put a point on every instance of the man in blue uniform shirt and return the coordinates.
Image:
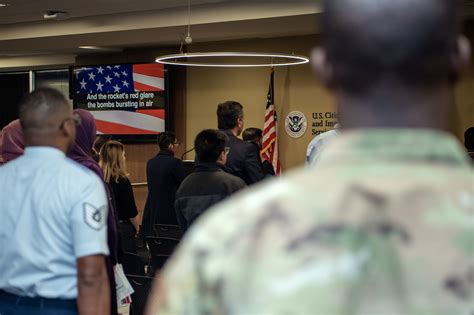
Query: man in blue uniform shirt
(53, 227)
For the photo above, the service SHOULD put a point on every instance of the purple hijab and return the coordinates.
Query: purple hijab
(85, 136)
(12, 144)
(82, 154)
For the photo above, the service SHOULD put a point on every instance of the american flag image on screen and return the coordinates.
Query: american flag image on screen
(115, 80)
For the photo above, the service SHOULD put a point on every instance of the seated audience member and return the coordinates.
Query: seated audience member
(12, 145)
(244, 158)
(469, 142)
(53, 229)
(164, 175)
(209, 183)
(254, 136)
(112, 163)
(318, 144)
(383, 224)
(82, 154)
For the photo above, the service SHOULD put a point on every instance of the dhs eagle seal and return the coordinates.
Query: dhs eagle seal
(296, 124)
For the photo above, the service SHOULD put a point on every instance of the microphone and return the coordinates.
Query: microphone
(182, 156)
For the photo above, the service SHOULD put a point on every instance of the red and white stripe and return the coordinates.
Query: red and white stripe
(270, 130)
(149, 77)
(119, 122)
(269, 140)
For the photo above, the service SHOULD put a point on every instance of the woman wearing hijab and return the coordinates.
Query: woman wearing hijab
(82, 154)
(11, 142)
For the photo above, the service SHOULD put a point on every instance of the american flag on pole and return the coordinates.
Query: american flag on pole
(270, 140)
(119, 112)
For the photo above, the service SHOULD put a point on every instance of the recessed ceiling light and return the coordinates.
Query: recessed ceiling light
(100, 48)
(2, 5)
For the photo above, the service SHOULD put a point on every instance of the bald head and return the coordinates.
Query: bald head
(408, 41)
(43, 109)
(47, 120)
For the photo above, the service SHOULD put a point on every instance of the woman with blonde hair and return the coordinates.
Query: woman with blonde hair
(112, 163)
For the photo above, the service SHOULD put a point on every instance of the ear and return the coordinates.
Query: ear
(222, 158)
(322, 67)
(461, 59)
(68, 129)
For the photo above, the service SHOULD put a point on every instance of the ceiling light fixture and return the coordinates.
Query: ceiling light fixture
(2, 5)
(232, 59)
(228, 59)
(100, 48)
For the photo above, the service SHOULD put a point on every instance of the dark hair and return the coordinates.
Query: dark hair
(469, 139)
(252, 134)
(409, 42)
(228, 113)
(165, 139)
(37, 110)
(209, 144)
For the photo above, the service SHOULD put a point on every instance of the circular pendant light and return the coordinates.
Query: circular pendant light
(232, 59)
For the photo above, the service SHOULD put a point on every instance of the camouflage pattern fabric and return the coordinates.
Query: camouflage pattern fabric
(383, 225)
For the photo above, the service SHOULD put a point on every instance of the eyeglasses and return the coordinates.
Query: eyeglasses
(75, 117)
(226, 150)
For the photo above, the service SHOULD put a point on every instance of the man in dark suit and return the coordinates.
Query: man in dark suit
(244, 159)
(164, 175)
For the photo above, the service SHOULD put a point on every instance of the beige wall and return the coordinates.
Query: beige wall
(464, 108)
(295, 89)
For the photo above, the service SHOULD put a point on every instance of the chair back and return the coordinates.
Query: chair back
(141, 285)
(169, 231)
(161, 245)
(157, 262)
(132, 264)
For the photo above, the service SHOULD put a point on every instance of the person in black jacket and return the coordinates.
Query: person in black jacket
(209, 183)
(164, 175)
(244, 158)
(112, 163)
(254, 136)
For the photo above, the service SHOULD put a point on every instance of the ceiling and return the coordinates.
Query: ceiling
(20, 11)
(119, 24)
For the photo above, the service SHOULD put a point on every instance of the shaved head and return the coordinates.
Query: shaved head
(47, 120)
(408, 41)
(43, 109)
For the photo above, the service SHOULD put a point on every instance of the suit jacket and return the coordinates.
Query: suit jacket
(164, 175)
(243, 160)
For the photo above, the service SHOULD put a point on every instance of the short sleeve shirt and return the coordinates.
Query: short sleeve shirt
(53, 211)
(382, 224)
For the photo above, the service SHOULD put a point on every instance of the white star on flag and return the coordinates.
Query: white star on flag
(91, 76)
(116, 88)
(109, 67)
(108, 79)
(125, 73)
(117, 74)
(117, 67)
(83, 84)
(100, 70)
(125, 83)
(99, 86)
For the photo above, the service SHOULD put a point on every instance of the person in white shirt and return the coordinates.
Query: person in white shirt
(53, 228)
(316, 146)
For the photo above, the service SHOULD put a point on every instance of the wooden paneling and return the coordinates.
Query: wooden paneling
(139, 153)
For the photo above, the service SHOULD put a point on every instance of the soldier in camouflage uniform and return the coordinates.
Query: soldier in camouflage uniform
(384, 223)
